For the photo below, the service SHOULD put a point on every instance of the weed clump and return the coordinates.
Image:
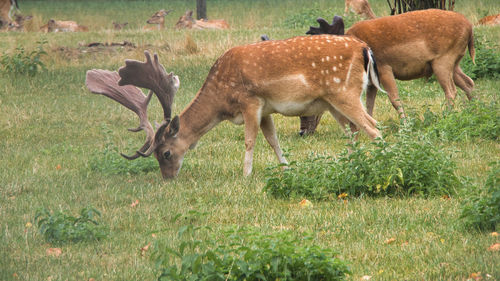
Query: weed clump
(487, 60)
(409, 165)
(24, 63)
(483, 211)
(60, 228)
(246, 254)
(476, 120)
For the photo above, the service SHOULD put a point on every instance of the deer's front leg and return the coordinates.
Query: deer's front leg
(267, 127)
(252, 120)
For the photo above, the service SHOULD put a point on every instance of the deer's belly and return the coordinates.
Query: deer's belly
(293, 108)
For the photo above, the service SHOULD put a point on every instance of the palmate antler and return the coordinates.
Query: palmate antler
(336, 28)
(120, 87)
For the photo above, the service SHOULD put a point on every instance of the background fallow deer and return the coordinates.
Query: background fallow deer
(63, 26)
(360, 7)
(18, 23)
(119, 26)
(490, 20)
(157, 20)
(293, 77)
(414, 45)
(187, 21)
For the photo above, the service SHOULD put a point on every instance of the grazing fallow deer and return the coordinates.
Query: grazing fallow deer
(360, 7)
(490, 20)
(293, 77)
(63, 26)
(188, 22)
(157, 20)
(414, 45)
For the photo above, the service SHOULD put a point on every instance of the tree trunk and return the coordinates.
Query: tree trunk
(201, 9)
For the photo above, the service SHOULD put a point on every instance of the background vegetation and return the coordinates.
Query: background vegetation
(59, 149)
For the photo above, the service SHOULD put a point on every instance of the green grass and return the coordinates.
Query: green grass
(51, 119)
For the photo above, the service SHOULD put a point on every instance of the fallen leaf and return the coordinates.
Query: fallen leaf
(494, 248)
(390, 240)
(446, 197)
(91, 279)
(342, 195)
(145, 249)
(58, 167)
(153, 235)
(135, 203)
(476, 276)
(55, 252)
(15, 275)
(28, 225)
(494, 234)
(305, 203)
(366, 277)
(405, 243)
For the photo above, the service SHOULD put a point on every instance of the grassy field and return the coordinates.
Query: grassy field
(53, 131)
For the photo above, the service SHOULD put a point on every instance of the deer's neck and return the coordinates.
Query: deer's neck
(201, 115)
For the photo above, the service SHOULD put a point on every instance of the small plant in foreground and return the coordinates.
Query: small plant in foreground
(60, 228)
(483, 211)
(24, 63)
(245, 254)
(410, 165)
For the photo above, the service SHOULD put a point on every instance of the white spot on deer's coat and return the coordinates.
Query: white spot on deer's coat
(327, 58)
(336, 80)
(334, 68)
(347, 45)
(341, 57)
(318, 48)
(313, 65)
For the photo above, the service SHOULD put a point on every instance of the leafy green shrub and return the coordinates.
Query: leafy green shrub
(483, 211)
(60, 228)
(245, 254)
(476, 119)
(487, 60)
(410, 165)
(24, 63)
(109, 161)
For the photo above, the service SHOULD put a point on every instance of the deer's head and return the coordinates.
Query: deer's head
(122, 87)
(185, 21)
(158, 17)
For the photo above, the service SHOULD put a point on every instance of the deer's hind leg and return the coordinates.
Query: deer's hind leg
(463, 81)
(269, 131)
(354, 112)
(443, 68)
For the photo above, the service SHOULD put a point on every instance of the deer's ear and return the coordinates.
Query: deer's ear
(173, 127)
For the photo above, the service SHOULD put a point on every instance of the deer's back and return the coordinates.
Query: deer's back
(439, 30)
(408, 42)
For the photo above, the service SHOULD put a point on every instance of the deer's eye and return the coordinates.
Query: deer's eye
(166, 154)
